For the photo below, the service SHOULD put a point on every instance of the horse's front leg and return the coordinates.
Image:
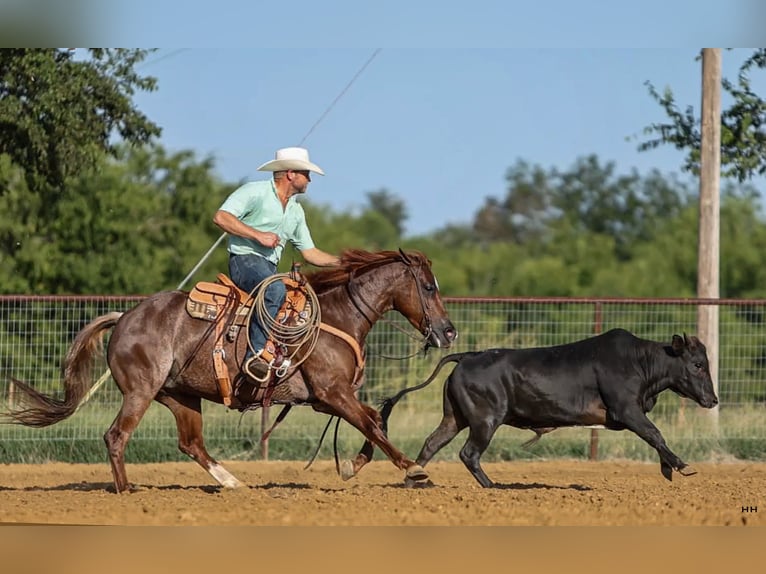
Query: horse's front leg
(350, 468)
(367, 421)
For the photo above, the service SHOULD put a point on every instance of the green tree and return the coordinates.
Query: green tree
(743, 126)
(589, 195)
(623, 207)
(390, 207)
(59, 118)
(743, 243)
(525, 212)
(137, 226)
(59, 115)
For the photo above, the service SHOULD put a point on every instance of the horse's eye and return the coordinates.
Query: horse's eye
(698, 365)
(430, 287)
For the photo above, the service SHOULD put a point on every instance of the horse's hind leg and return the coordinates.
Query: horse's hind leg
(188, 413)
(117, 437)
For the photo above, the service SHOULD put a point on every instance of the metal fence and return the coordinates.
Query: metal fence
(35, 333)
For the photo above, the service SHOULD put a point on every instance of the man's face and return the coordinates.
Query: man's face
(300, 180)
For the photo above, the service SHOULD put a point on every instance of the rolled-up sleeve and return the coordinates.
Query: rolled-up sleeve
(239, 202)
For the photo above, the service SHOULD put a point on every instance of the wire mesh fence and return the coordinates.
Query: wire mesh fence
(35, 333)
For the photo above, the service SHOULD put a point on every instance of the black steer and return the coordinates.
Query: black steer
(612, 380)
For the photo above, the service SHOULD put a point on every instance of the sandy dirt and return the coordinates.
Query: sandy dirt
(283, 493)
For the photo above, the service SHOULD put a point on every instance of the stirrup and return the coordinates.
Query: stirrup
(262, 379)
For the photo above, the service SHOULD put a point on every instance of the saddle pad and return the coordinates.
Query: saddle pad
(206, 299)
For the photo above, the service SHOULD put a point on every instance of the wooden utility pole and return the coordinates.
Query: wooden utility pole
(709, 216)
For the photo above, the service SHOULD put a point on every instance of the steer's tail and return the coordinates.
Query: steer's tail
(387, 405)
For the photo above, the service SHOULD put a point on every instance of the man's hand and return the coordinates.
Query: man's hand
(268, 239)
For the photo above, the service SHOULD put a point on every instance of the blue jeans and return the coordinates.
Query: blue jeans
(247, 271)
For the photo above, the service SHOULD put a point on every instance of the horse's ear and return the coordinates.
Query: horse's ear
(405, 258)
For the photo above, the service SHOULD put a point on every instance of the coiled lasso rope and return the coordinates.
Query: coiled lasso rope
(295, 337)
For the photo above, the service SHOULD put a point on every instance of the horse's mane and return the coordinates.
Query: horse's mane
(352, 260)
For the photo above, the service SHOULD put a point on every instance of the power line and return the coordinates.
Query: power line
(164, 57)
(340, 95)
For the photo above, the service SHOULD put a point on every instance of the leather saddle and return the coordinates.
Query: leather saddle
(216, 301)
(228, 307)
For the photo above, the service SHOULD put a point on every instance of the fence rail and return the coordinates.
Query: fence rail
(35, 332)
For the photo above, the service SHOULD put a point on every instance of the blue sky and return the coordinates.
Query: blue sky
(436, 127)
(432, 23)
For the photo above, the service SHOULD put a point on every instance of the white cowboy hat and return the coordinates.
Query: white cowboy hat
(291, 158)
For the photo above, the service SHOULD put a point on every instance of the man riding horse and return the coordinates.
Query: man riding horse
(260, 217)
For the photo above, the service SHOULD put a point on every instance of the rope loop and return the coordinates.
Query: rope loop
(301, 336)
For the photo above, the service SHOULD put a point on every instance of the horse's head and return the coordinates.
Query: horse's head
(420, 302)
(386, 280)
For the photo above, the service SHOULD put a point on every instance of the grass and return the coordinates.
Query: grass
(692, 435)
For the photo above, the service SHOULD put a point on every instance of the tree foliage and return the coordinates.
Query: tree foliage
(59, 115)
(588, 198)
(59, 119)
(390, 207)
(590, 231)
(743, 126)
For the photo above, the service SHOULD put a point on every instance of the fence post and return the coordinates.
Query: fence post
(708, 256)
(11, 396)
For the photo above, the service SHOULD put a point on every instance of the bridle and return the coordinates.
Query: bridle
(425, 326)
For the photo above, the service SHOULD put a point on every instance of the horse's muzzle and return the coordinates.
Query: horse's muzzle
(442, 335)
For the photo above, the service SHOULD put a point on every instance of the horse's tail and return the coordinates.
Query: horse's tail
(41, 410)
(387, 405)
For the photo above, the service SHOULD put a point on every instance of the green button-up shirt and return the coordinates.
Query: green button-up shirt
(257, 205)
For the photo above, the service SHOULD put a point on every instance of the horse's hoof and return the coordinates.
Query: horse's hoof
(417, 473)
(409, 483)
(347, 470)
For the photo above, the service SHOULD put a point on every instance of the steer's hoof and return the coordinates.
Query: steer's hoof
(417, 473)
(347, 469)
(687, 471)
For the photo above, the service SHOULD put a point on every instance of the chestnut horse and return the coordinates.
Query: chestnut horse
(158, 352)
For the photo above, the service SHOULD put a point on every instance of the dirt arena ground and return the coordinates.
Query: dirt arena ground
(282, 493)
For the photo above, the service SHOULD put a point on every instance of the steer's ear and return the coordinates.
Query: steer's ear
(678, 344)
(691, 342)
